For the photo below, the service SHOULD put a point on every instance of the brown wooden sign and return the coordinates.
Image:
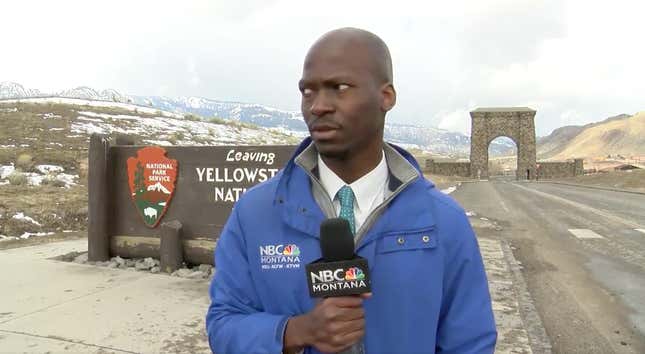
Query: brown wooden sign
(204, 182)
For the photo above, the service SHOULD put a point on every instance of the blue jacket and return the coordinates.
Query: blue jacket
(430, 292)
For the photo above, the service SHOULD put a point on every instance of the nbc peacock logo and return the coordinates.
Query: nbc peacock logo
(354, 273)
(291, 250)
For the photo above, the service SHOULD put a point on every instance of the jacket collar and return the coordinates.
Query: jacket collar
(301, 211)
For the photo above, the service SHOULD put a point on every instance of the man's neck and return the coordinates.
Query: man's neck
(355, 166)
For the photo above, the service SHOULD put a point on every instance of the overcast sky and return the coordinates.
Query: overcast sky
(574, 61)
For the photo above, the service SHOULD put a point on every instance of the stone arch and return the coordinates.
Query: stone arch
(516, 123)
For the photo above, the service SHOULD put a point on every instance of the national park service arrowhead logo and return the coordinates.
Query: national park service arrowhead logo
(152, 177)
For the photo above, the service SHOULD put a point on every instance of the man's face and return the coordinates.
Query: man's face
(341, 100)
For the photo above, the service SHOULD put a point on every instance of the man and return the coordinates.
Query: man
(429, 288)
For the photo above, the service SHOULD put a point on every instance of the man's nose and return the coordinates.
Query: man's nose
(321, 105)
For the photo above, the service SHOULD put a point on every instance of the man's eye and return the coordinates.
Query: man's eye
(306, 92)
(342, 87)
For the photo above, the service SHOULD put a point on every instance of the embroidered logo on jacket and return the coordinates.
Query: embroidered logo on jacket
(280, 256)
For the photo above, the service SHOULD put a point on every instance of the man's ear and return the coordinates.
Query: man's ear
(388, 97)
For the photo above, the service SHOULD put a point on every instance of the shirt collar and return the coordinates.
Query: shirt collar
(365, 188)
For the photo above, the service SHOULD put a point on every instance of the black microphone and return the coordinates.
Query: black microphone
(339, 272)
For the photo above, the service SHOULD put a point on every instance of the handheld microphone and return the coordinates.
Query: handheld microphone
(339, 272)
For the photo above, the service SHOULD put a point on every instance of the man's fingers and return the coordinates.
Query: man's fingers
(350, 314)
(345, 326)
(343, 313)
(349, 338)
(353, 326)
(345, 301)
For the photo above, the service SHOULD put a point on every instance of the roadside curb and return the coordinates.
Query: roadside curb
(594, 187)
(538, 339)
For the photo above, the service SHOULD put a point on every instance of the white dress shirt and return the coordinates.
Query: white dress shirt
(369, 190)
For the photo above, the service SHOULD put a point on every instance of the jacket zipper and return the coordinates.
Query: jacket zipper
(371, 218)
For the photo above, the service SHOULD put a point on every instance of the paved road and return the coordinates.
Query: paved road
(583, 256)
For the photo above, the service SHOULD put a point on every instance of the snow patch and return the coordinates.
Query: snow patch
(88, 128)
(8, 146)
(49, 168)
(91, 103)
(5, 171)
(107, 116)
(50, 116)
(449, 190)
(34, 179)
(27, 235)
(22, 216)
(158, 142)
(69, 180)
(90, 119)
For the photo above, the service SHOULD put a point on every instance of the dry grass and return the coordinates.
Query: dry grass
(634, 180)
(30, 139)
(48, 141)
(25, 162)
(17, 178)
(56, 209)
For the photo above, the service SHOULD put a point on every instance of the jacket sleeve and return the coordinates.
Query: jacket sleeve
(236, 322)
(466, 321)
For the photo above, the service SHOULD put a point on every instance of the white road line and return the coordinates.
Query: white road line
(584, 233)
(581, 206)
(640, 230)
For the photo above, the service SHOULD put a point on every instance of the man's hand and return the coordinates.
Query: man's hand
(332, 326)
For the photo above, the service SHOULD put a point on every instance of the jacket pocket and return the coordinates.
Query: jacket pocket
(407, 241)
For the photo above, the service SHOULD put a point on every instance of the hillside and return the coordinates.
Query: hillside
(437, 142)
(43, 155)
(622, 135)
(556, 141)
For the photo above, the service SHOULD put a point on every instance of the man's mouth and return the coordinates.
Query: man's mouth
(323, 132)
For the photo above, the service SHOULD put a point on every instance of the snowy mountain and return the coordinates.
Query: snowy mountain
(89, 93)
(436, 141)
(244, 112)
(15, 90)
(158, 187)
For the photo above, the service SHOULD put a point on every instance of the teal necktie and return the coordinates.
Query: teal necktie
(346, 197)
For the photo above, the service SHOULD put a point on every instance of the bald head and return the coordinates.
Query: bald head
(359, 43)
(346, 89)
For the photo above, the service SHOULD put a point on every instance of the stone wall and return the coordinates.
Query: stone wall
(448, 168)
(560, 169)
(546, 169)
